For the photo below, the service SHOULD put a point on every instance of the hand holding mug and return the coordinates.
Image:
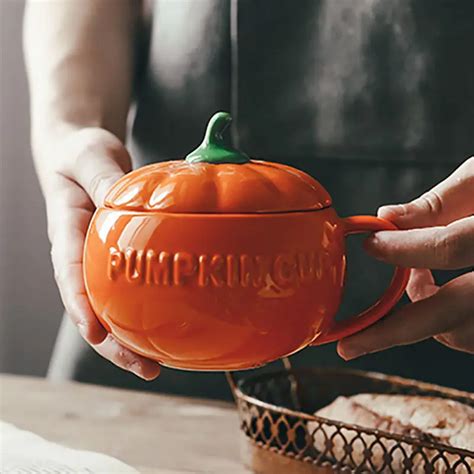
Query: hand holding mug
(437, 233)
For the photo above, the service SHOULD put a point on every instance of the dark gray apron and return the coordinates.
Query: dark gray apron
(374, 98)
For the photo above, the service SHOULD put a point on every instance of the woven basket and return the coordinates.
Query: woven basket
(280, 434)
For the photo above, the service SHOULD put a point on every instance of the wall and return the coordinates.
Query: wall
(30, 308)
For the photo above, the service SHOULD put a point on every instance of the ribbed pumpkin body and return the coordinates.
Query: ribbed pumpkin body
(219, 262)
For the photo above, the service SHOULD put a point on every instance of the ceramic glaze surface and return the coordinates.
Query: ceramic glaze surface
(182, 187)
(214, 292)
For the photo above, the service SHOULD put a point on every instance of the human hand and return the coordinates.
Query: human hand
(437, 234)
(75, 176)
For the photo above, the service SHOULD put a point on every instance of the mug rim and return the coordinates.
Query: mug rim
(214, 214)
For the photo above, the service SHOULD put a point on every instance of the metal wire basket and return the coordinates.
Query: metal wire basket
(281, 434)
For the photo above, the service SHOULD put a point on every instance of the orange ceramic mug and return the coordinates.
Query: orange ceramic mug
(219, 262)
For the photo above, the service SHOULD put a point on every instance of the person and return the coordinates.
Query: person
(374, 98)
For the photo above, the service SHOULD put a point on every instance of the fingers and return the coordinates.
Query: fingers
(461, 339)
(449, 247)
(126, 359)
(448, 201)
(76, 303)
(447, 310)
(66, 253)
(67, 233)
(421, 285)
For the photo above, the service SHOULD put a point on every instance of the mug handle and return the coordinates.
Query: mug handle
(342, 329)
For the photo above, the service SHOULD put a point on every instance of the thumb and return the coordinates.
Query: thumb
(421, 284)
(100, 160)
(446, 202)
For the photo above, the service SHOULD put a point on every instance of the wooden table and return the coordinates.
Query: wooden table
(153, 433)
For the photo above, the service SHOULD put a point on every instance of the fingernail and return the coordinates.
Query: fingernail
(349, 352)
(136, 368)
(90, 334)
(141, 370)
(391, 210)
(371, 245)
(155, 373)
(82, 328)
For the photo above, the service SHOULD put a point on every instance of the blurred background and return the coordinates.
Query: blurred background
(30, 308)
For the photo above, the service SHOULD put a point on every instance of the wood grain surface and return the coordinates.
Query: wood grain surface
(153, 433)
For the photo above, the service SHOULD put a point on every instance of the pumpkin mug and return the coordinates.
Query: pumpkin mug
(220, 262)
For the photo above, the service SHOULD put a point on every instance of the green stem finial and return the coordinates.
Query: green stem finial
(213, 149)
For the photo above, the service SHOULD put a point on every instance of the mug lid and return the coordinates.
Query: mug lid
(216, 178)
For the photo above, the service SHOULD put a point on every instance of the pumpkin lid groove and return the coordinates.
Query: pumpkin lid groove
(216, 178)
